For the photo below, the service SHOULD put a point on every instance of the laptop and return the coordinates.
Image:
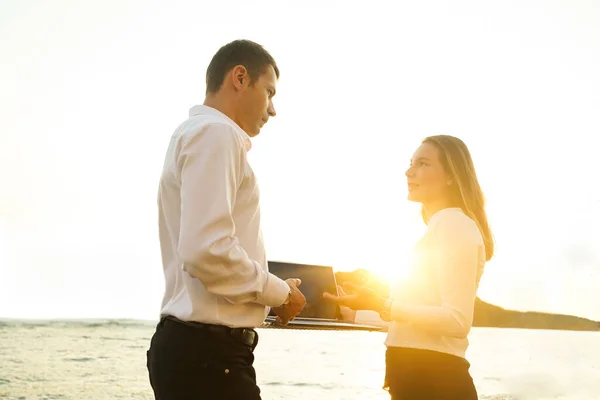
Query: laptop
(318, 313)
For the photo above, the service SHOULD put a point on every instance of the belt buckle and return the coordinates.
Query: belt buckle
(248, 337)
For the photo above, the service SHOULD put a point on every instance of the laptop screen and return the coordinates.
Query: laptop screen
(316, 279)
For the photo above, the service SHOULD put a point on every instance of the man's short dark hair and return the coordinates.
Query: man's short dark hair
(239, 52)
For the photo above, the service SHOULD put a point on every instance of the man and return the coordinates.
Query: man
(217, 284)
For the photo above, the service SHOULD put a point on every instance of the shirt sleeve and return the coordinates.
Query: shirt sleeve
(456, 254)
(211, 164)
(369, 317)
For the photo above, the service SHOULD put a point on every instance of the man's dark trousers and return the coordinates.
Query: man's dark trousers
(191, 361)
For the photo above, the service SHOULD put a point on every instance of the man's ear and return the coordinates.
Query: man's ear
(240, 76)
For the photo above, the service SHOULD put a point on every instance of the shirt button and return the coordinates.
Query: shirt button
(226, 370)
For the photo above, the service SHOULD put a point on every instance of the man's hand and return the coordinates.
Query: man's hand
(363, 298)
(288, 312)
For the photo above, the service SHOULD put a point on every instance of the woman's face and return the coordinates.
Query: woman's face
(427, 181)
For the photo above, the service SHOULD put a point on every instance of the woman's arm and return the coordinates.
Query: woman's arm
(369, 317)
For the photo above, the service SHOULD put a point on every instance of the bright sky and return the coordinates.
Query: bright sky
(91, 92)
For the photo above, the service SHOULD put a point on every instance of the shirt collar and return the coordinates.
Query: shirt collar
(438, 214)
(201, 109)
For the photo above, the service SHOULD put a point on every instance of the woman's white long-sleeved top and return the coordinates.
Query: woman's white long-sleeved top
(432, 308)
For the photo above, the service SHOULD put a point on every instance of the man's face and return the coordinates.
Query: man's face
(256, 102)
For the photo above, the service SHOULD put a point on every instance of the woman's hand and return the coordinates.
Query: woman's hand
(347, 313)
(362, 298)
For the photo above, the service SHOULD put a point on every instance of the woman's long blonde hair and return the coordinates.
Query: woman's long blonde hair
(465, 192)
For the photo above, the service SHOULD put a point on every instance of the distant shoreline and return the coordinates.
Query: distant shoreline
(485, 314)
(489, 315)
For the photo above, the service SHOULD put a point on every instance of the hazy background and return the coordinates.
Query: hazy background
(90, 93)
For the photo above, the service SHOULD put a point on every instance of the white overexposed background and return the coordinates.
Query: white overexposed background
(90, 93)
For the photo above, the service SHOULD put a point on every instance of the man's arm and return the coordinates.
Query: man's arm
(211, 164)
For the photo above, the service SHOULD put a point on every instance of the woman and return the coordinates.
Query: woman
(431, 311)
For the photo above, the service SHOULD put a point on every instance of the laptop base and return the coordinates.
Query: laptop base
(319, 324)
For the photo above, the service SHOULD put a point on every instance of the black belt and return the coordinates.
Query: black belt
(247, 336)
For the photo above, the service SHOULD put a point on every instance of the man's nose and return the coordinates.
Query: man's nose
(271, 110)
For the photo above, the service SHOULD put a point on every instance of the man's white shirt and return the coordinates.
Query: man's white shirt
(212, 247)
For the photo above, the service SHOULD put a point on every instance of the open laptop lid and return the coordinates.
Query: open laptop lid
(316, 279)
(318, 312)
